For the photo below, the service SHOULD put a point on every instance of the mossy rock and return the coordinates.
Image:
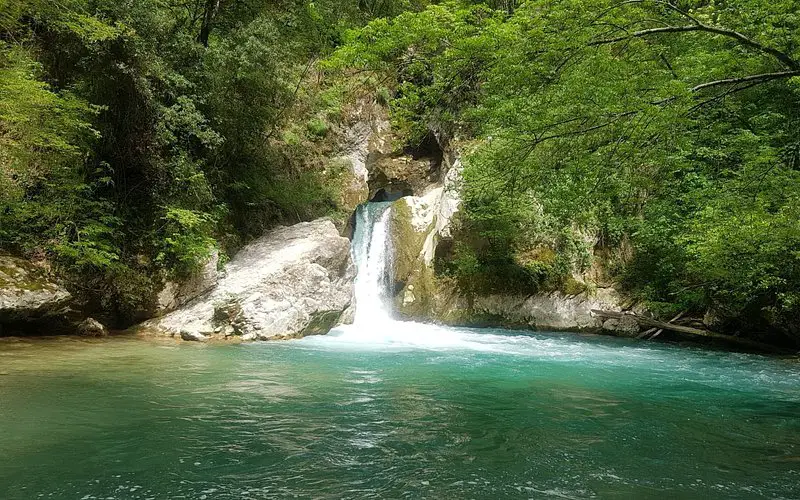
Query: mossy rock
(322, 322)
(407, 242)
(26, 292)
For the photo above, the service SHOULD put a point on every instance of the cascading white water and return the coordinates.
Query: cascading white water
(373, 326)
(372, 255)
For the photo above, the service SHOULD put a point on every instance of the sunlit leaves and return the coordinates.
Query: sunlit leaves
(581, 128)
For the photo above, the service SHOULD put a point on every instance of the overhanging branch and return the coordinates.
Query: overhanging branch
(762, 78)
(784, 58)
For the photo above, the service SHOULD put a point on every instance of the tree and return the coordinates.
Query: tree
(604, 124)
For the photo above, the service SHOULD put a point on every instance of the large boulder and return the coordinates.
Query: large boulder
(90, 327)
(27, 294)
(179, 292)
(292, 282)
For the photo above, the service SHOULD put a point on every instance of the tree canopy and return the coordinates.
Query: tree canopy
(137, 136)
(659, 135)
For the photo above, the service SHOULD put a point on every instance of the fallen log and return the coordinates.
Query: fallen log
(660, 325)
(646, 333)
(661, 330)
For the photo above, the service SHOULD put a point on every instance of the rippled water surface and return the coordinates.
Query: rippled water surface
(417, 412)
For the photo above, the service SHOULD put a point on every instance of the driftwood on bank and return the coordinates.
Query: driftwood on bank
(660, 325)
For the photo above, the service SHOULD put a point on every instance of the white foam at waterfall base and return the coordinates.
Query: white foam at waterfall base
(373, 326)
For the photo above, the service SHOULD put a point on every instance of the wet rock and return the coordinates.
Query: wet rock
(292, 282)
(626, 326)
(90, 327)
(193, 336)
(419, 225)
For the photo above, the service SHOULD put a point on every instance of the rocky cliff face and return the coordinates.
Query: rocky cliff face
(427, 180)
(420, 224)
(292, 282)
(373, 166)
(367, 138)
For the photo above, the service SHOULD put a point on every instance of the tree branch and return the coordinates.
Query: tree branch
(657, 2)
(777, 54)
(764, 77)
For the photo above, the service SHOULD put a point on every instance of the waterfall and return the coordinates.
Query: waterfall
(373, 326)
(372, 255)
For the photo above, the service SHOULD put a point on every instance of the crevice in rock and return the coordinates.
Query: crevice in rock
(428, 147)
(409, 172)
(393, 192)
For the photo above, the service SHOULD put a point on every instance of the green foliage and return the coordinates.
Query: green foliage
(136, 136)
(598, 132)
(185, 238)
(318, 127)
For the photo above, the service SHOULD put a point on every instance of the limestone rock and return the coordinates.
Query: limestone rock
(26, 293)
(367, 138)
(292, 282)
(175, 294)
(193, 336)
(419, 224)
(402, 175)
(90, 327)
(626, 326)
(552, 311)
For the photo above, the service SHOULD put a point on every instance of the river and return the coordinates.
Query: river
(384, 409)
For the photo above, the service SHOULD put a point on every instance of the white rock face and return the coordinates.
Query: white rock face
(433, 213)
(553, 311)
(175, 294)
(292, 282)
(446, 206)
(25, 293)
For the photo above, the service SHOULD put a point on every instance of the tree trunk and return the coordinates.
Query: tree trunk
(209, 13)
(688, 330)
